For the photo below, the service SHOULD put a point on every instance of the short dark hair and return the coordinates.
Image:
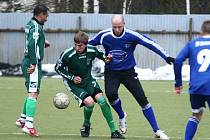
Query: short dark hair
(205, 28)
(81, 37)
(41, 8)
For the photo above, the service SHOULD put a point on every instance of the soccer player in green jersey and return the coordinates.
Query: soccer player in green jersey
(75, 66)
(31, 67)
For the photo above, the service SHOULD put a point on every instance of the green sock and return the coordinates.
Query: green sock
(107, 113)
(24, 106)
(88, 110)
(30, 107)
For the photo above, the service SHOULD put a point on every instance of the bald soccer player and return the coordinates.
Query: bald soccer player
(120, 43)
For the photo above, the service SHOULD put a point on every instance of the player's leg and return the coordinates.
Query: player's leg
(198, 105)
(88, 110)
(132, 83)
(112, 84)
(94, 89)
(105, 108)
(33, 88)
(20, 122)
(85, 100)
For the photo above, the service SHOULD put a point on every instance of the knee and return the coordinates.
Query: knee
(88, 101)
(143, 102)
(112, 97)
(33, 95)
(101, 101)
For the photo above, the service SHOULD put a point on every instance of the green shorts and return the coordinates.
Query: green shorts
(80, 92)
(32, 81)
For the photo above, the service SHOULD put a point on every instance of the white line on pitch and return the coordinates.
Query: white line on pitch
(97, 135)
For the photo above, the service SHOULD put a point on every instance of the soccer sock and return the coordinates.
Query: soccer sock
(118, 108)
(30, 111)
(24, 106)
(105, 108)
(22, 118)
(149, 114)
(88, 110)
(191, 128)
(29, 122)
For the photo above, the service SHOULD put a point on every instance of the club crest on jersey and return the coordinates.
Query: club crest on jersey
(127, 45)
(88, 61)
(35, 35)
(33, 84)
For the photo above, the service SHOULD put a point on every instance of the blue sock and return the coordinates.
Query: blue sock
(118, 108)
(191, 128)
(149, 114)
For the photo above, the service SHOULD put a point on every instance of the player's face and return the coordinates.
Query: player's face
(43, 17)
(118, 28)
(79, 47)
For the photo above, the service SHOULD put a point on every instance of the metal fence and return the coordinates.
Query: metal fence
(170, 31)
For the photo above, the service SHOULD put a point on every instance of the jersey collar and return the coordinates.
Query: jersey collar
(121, 34)
(37, 21)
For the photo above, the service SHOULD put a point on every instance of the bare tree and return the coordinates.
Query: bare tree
(85, 6)
(126, 6)
(96, 6)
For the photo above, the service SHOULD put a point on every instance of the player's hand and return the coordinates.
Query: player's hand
(31, 69)
(108, 58)
(178, 90)
(170, 60)
(47, 44)
(77, 80)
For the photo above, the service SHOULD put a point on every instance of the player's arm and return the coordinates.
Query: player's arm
(46, 44)
(32, 39)
(96, 40)
(152, 45)
(181, 57)
(101, 55)
(61, 68)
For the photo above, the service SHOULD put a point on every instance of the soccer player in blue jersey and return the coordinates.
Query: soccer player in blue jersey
(120, 43)
(198, 53)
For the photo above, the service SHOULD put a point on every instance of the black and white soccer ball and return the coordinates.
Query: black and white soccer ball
(61, 100)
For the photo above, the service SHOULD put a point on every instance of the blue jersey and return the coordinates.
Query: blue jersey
(198, 52)
(122, 47)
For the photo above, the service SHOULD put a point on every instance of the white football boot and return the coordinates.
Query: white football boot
(20, 123)
(122, 124)
(161, 135)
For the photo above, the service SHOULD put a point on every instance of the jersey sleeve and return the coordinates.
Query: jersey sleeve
(181, 57)
(100, 54)
(61, 68)
(152, 45)
(32, 45)
(96, 40)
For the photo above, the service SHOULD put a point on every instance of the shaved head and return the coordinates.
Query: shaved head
(118, 19)
(118, 24)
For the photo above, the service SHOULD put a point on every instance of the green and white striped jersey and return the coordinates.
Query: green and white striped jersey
(72, 64)
(34, 41)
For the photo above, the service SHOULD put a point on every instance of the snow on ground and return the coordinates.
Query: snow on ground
(161, 73)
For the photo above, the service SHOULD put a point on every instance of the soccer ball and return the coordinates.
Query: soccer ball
(61, 101)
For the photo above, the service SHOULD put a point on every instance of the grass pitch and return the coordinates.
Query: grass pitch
(172, 113)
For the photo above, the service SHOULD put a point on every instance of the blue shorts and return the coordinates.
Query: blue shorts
(198, 102)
